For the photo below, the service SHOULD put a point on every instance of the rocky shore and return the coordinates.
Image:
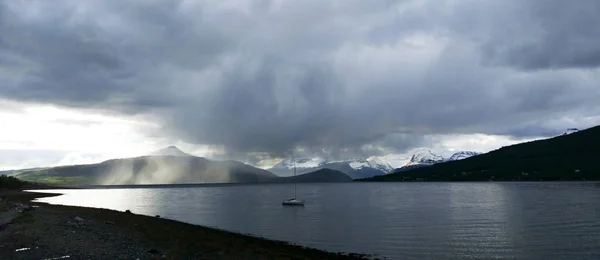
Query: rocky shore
(41, 231)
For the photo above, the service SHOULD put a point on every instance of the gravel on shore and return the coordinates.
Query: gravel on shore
(43, 231)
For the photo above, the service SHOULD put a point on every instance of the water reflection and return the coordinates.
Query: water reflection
(479, 220)
(396, 220)
(57, 258)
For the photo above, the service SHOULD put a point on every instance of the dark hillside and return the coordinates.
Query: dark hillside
(148, 170)
(574, 156)
(323, 175)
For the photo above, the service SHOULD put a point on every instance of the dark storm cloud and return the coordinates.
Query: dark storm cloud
(264, 110)
(546, 34)
(86, 54)
(337, 77)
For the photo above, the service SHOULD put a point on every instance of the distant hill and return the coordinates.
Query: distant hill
(572, 156)
(323, 175)
(165, 166)
(7, 172)
(410, 167)
(149, 170)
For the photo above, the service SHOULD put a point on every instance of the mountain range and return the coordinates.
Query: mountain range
(170, 165)
(356, 168)
(363, 168)
(426, 157)
(322, 175)
(166, 166)
(173, 166)
(570, 156)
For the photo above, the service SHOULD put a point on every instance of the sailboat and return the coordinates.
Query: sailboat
(293, 201)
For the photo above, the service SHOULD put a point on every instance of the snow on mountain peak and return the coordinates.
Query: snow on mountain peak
(359, 163)
(318, 162)
(300, 163)
(169, 151)
(425, 157)
(462, 155)
(380, 165)
(374, 163)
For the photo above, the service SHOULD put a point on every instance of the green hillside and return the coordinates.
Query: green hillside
(567, 157)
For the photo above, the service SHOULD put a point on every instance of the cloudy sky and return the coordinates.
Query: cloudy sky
(83, 81)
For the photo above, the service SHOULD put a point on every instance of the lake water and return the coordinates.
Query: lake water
(549, 220)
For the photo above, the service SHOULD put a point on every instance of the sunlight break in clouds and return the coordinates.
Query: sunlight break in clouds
(47, 135)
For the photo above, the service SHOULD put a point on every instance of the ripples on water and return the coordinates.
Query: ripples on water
(393, 220)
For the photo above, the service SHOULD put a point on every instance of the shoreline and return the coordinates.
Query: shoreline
(44, 231)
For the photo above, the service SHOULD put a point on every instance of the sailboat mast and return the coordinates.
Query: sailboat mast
(294, 163)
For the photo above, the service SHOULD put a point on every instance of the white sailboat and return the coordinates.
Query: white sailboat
(293, 201)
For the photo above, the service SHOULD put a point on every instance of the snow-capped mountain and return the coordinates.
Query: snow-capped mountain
(378, 164)
(462, 155)
(425, 156)
(169, 151)
(570, 131)
(301, 163)
(355, 168)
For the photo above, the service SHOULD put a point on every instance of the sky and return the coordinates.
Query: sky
(85, 81)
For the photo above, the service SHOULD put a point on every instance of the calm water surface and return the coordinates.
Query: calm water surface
(392, 220)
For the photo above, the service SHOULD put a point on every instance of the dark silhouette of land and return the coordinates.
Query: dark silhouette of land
(322, 175)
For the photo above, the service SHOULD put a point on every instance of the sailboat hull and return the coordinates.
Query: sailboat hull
(293, 202)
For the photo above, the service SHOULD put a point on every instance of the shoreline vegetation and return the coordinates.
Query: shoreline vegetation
(34, 230)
